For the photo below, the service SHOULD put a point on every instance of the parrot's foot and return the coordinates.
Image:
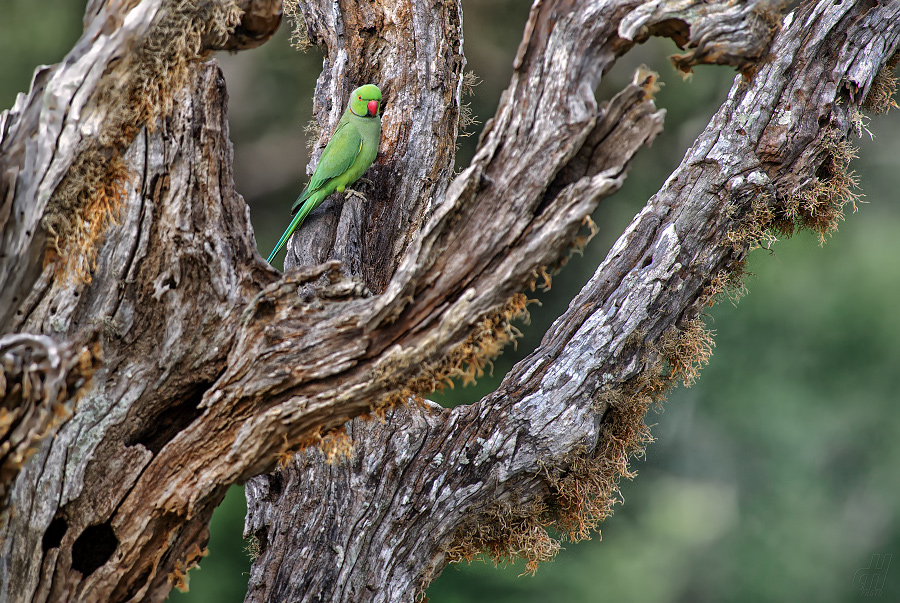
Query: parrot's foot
(366, 181)
(354, 193)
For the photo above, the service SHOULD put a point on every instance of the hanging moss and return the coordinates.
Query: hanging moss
(135, 93)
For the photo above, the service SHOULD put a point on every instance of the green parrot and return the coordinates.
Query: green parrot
(346, 157)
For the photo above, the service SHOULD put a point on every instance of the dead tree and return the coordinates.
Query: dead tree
(151, 358)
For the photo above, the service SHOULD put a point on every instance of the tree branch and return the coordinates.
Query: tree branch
(120, 224)
(431, 486)
(40, 383)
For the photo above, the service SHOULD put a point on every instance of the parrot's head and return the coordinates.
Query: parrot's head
(365, 101)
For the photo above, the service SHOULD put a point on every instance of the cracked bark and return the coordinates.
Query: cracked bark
(214, 366)
(378, 526)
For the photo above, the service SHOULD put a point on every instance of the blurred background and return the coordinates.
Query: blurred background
(775, 477)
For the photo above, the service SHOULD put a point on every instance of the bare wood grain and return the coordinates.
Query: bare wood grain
(395, 509)
(216, 366)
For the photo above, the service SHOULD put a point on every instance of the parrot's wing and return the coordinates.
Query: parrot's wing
(338, 156)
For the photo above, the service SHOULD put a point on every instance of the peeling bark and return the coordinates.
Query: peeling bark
(40, 383)
(413, 52)
(434, 485)
(121, 226)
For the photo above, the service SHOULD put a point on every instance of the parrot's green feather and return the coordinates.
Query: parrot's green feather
(339, 154)
(346, 157)
(298, 219)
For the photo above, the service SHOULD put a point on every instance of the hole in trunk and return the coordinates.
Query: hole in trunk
(93, 548)
(162, 428)
(54, 534)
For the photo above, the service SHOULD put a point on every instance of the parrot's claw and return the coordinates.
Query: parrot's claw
(354, 193)
(366, 181)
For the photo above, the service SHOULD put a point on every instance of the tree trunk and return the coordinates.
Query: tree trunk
(128, 258)
(431, 486)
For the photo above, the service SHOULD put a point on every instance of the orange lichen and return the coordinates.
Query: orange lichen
(880, 98)
(335, 444)
(585, 486)
(179, 577)
(506, 533)
(469, 360)
(820, 206)
(135, 93)
(687, 351)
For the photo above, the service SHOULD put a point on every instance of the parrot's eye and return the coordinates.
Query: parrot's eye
(359, 97)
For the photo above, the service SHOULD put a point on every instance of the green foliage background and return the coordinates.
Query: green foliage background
(774, 478)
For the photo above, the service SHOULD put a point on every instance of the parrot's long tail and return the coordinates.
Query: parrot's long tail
(307, 207)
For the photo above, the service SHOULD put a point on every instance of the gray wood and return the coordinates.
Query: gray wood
(432, 486)
(215, 367)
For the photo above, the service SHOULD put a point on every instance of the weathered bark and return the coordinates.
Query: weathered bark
(430, 485)
(413, 51)
(215, 367)
(164, 300)
(40, 383)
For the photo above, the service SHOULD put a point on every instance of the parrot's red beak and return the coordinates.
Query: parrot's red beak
(373, 107)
